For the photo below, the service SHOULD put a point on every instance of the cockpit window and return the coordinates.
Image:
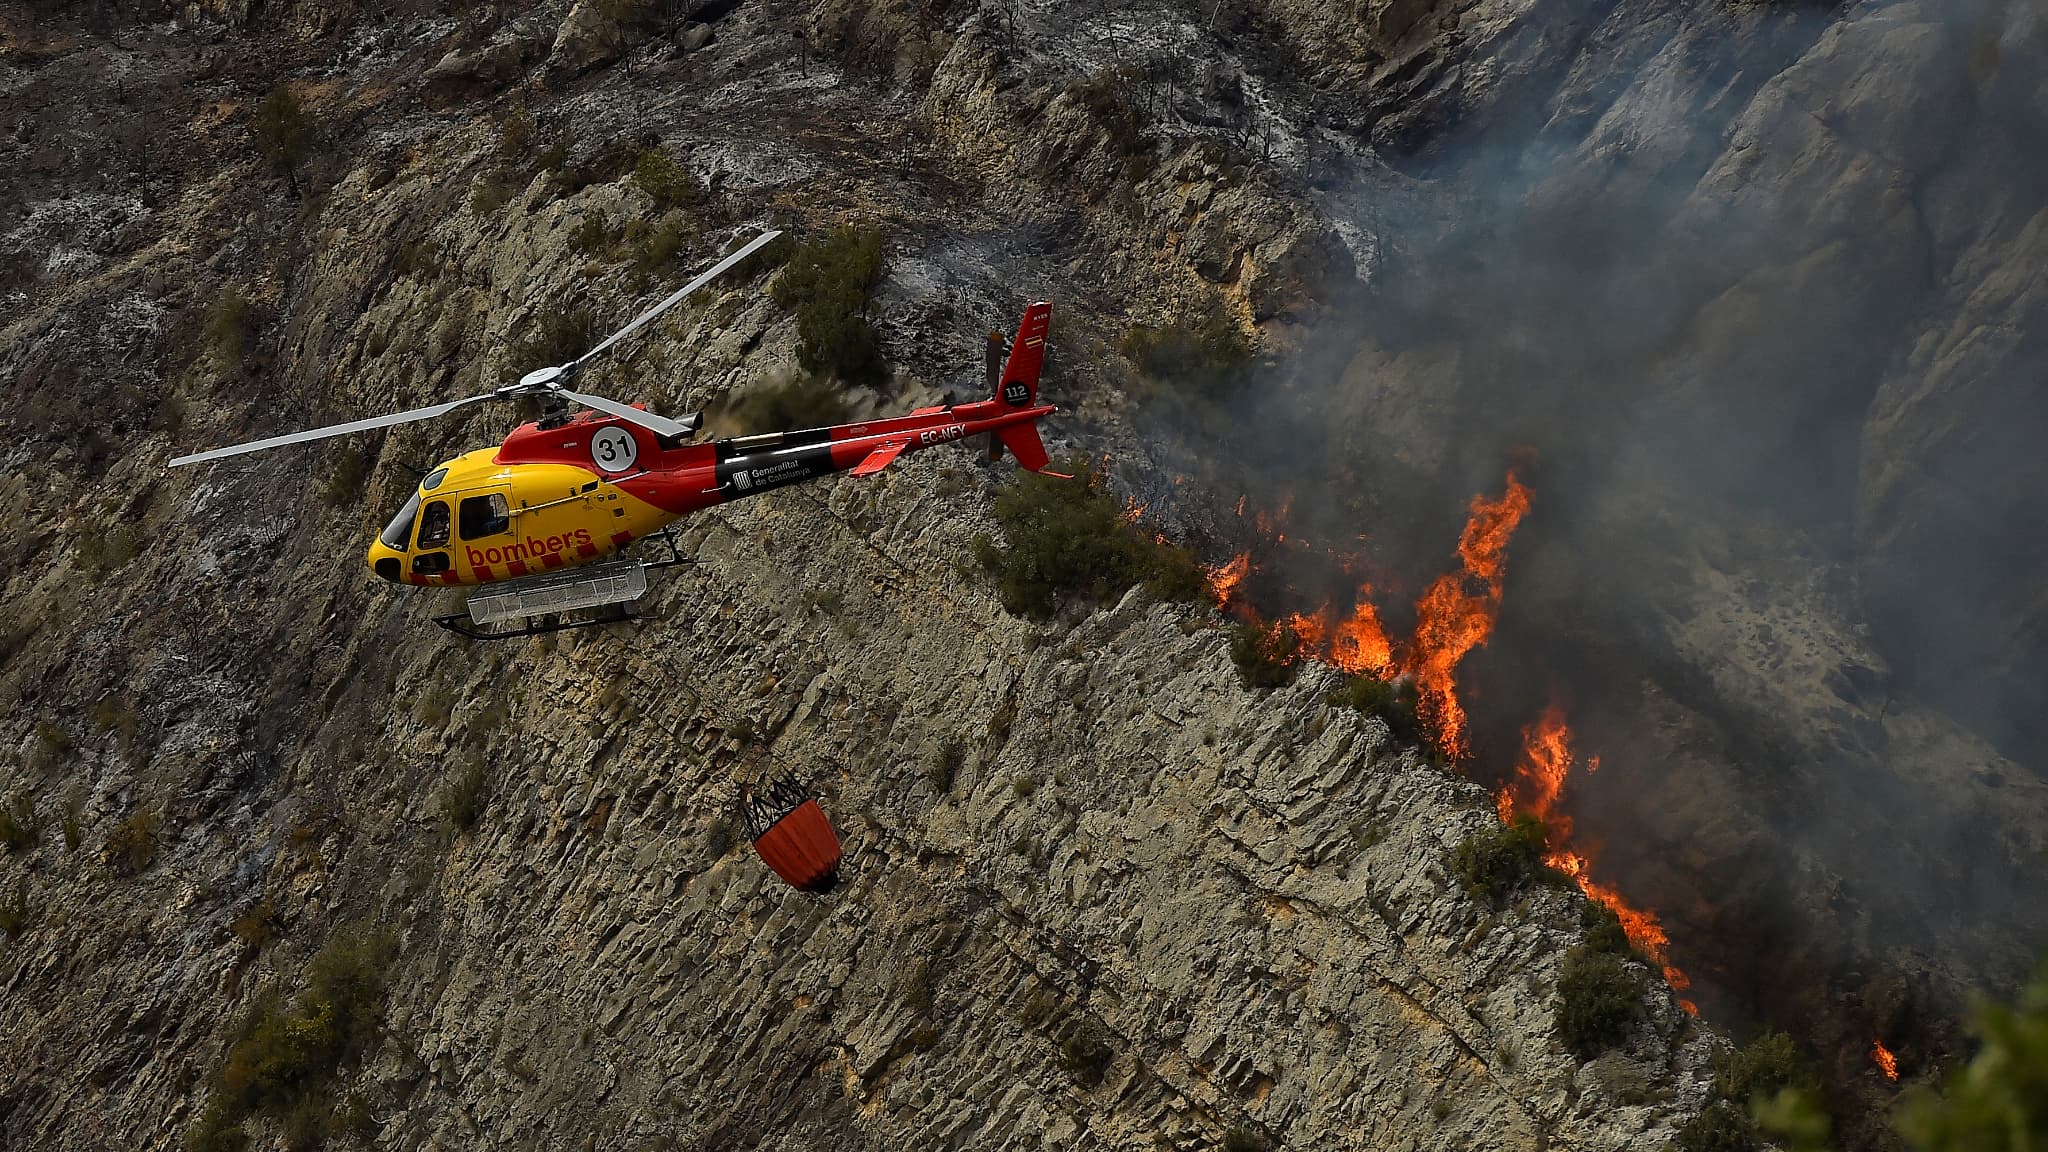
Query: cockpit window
(485, 515)
(398, 533)
(433, 479)
(434, 525)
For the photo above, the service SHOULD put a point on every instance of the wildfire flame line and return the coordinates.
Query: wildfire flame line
(1886, 1062)
(1538, 789)
(1455, 615)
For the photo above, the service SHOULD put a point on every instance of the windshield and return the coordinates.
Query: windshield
(398, 533)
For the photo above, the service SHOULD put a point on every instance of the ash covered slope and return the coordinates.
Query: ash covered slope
(1244, 897)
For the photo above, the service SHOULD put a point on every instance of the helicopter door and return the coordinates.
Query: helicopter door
(484, 521)
(431, 556)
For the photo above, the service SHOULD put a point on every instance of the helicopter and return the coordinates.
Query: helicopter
(538, 523)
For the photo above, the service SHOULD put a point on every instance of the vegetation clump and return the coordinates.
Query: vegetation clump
(14, 912)
(1069, 540)
(284, 1062)
(230, 321)
(284, 131)
(666, 182)
(1393, 701)
(1600, 1000)
(18, 828)
(1603, 931)
(559, 337)
(103, 550)
(1086, 1056)
(1501, 858)
(132, 848)
(830, 285)
(790, 401)
(1266, 656)
(1206, 360)
(1998, 1102)
(465, 797)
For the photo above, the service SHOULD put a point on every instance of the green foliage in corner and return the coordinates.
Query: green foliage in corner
(829, 284)
(1998, 1102)
(1069, 541)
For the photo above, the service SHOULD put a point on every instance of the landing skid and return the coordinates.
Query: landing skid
(557, 601)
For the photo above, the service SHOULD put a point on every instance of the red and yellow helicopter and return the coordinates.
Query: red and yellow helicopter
(533, 521)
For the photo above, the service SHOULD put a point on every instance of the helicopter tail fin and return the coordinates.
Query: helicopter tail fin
(1018, 385)
(1023, 442)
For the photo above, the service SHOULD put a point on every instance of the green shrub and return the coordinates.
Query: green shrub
(105, 549)
(1266, 656)
(1206, 360)
(1086, 1056)
(790, 402)
(1393, 701)
(494, 190)
(1024, 786)
(1240, 1140)
(1761, 1068)
(946, 769)
(1603, 930)
(257, 926)
(14, 913)
(1069, 540)
(666, 182)
(655, 251)
(351, 467)
(515, 137)
(230, 321)
(829, 285)
(284, 1061)
(555, 337)
(594, 235)
(52, 738)
(283, 130)
(132, 848)
(1720, 1127)
(1998, 1102)
(1501, 858)
(1600, 1000)
(767, 258)
(464, 798)
(18, 828)
(74, 831)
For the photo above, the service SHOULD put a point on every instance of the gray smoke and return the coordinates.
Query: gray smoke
(1754, 294)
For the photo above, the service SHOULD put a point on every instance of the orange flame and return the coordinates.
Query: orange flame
(1360, 647)
(1312, 630)
(1538, 788)
(1453, 617)
(1886, 1062)
(1225, 579)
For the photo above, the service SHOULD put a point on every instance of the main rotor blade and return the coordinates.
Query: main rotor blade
(386, 421)
(659, 424)
(716, 270)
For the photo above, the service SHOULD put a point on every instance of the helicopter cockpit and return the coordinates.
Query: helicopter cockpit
(433, 533)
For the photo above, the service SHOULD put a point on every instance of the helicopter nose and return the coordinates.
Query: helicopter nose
(384, 564)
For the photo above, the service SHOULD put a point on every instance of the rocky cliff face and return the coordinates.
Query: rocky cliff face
(1086, 831)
